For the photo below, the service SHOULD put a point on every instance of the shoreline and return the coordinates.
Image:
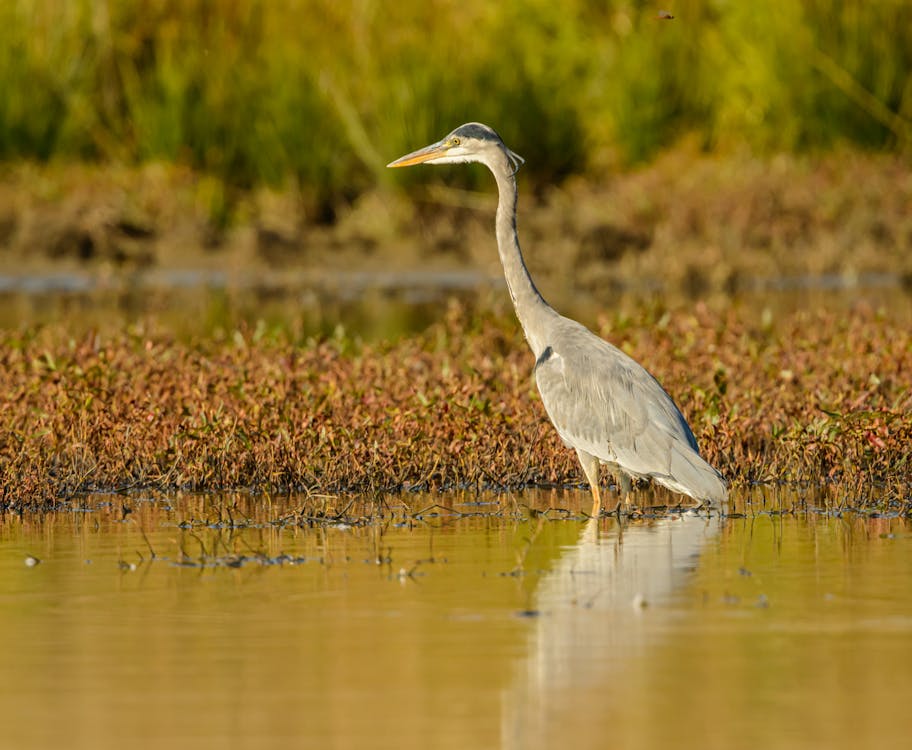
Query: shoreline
(687, 221)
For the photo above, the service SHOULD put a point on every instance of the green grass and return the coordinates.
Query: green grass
(324, 94)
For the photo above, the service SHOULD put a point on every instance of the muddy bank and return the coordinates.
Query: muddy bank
(688, 222)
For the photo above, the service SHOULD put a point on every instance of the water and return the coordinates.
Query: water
(483, 628)
(192, 303)
(380, 305)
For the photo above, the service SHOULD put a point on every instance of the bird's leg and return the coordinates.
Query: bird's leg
(596, 497)
(590, 466)
(625, 485)
(624, 488)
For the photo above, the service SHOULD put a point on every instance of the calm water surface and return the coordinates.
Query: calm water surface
(382, 305)
(483, 628)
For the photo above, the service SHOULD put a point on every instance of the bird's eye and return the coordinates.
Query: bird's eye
(455, 141)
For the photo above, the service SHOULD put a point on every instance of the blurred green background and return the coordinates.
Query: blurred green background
(324, 92)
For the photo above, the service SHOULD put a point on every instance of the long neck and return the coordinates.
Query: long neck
(531, 309)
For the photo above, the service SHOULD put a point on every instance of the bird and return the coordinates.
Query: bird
(601, 401)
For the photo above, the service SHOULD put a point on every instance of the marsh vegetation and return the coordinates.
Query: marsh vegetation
(801, 397)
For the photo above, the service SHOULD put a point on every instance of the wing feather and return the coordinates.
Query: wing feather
(606, 404)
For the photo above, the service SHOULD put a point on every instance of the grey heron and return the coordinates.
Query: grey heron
(602, 402)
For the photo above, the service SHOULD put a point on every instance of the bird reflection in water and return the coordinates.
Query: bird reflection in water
(591, 608)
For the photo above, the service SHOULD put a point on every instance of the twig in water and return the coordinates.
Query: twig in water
(148, 543)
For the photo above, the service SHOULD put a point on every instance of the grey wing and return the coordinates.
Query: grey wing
(604, 403)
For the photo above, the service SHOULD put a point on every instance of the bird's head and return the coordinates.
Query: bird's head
(470, 142)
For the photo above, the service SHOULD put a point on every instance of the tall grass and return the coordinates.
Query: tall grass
(325, 93)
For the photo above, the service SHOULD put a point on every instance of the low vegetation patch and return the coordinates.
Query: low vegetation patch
(803, 398)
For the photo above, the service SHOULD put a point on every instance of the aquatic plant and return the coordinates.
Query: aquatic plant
(803, 398)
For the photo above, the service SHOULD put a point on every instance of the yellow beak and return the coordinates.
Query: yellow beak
(421, 155)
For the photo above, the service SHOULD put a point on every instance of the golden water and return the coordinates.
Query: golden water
(495, 630)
